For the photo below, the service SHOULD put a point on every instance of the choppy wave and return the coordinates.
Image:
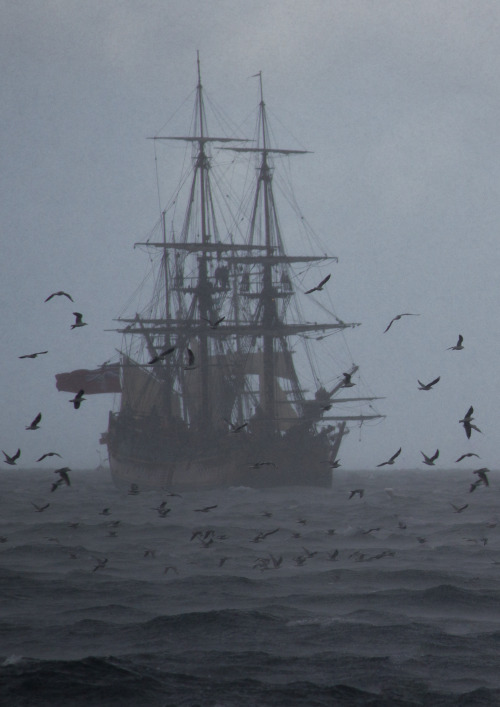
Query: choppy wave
(390, 601)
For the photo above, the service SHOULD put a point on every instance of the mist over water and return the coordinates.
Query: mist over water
(386, 598)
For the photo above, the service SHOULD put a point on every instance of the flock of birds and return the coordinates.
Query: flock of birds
(63, 472)
(466, 421)
(207, 537)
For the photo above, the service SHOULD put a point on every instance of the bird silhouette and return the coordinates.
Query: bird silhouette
(78, 399)
(40, 509)
(347, 381)
(48, 454)
(319, 287)
(398, 316)
(63, 475)
(214, 324)
(161, 355)
(33, 355)
(468, 454)
(466, 421)
(391, 460)
(59, 294)
(11, 460)
(34, 424)
(78, 321)
(428, 386)
(458, 346)
(430, 460)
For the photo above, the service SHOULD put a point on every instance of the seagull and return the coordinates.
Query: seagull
(170, 567)
(459, 509)
(163, 354)
(258, 465)
(190, 361)
(458, 346)
(205, 509)
(77, 400)
(63, 475)
(105, 512)
(428, 386)
(319, 287)
(40, 509)
(214, 325)
(481, 474)
(235, 428)
(391, 460)
(474, 485)
(469, 454)
(78, 320)
(467, 422)
(398, 316)
(48, 454)
(360, 492)
(33, 355)
(101, 564)
(430, 460)
(34, 425)
(347, 381)
(59, 294)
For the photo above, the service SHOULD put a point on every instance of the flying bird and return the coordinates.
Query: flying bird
(359, 492)
(63, 475)
(34, 424)
(458, 346)
(48, 454)
(391, 460)
(319, 287)
(214, 325)
(469, 454)
(33, 355)
(459, 509)
(430, 460)
(163, 354)
(77, 400)
(11, 460)
(467, 423)
(347, 381)
(101, 564)
(40, 509)
(482, 475)
(78, 320)
(59, 294)
(398, 316)
(258, 465)
(428, 386)
(235, 428)
(205, 509)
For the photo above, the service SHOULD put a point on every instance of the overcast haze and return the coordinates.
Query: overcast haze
(399, 103)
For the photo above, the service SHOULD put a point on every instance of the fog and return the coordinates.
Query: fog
(398, 103)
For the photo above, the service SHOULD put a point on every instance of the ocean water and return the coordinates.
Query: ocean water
(274, 597)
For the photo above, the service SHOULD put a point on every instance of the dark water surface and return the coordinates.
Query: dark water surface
(388, 599)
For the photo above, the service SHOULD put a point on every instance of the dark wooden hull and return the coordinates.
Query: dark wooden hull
(296, 460)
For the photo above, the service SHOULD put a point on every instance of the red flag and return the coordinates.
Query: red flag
(102, 380)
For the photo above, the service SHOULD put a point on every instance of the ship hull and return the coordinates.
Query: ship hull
(236, 460)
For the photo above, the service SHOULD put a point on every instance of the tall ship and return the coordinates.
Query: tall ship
(218, 381)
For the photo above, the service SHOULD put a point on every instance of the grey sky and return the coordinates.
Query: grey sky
(398, 101)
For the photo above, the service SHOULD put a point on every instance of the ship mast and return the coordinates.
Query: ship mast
(269, 314)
